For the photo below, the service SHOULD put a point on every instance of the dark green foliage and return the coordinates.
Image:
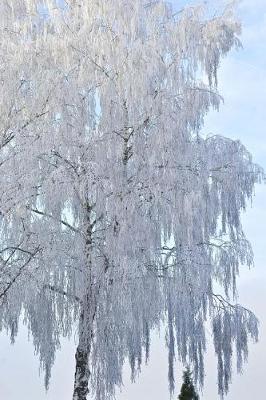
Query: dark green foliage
(187, 390)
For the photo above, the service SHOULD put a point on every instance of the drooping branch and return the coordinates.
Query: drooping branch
(58, 290)
(44, 214)
(19, 273)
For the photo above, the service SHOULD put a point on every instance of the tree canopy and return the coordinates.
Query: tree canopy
(116, 212)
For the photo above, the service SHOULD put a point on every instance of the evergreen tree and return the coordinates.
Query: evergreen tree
(187, 390)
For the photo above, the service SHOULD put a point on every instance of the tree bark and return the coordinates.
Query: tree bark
(87, 317)
(82, 373)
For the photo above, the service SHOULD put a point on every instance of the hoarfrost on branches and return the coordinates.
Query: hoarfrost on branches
(116, 212)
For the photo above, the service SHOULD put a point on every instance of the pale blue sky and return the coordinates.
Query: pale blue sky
(242, 82)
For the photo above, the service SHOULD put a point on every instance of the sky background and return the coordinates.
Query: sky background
(242, 82)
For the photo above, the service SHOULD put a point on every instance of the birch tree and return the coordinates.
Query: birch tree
(116, 212)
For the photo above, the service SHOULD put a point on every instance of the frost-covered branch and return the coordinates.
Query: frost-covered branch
(18, 273)
(44, 214)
